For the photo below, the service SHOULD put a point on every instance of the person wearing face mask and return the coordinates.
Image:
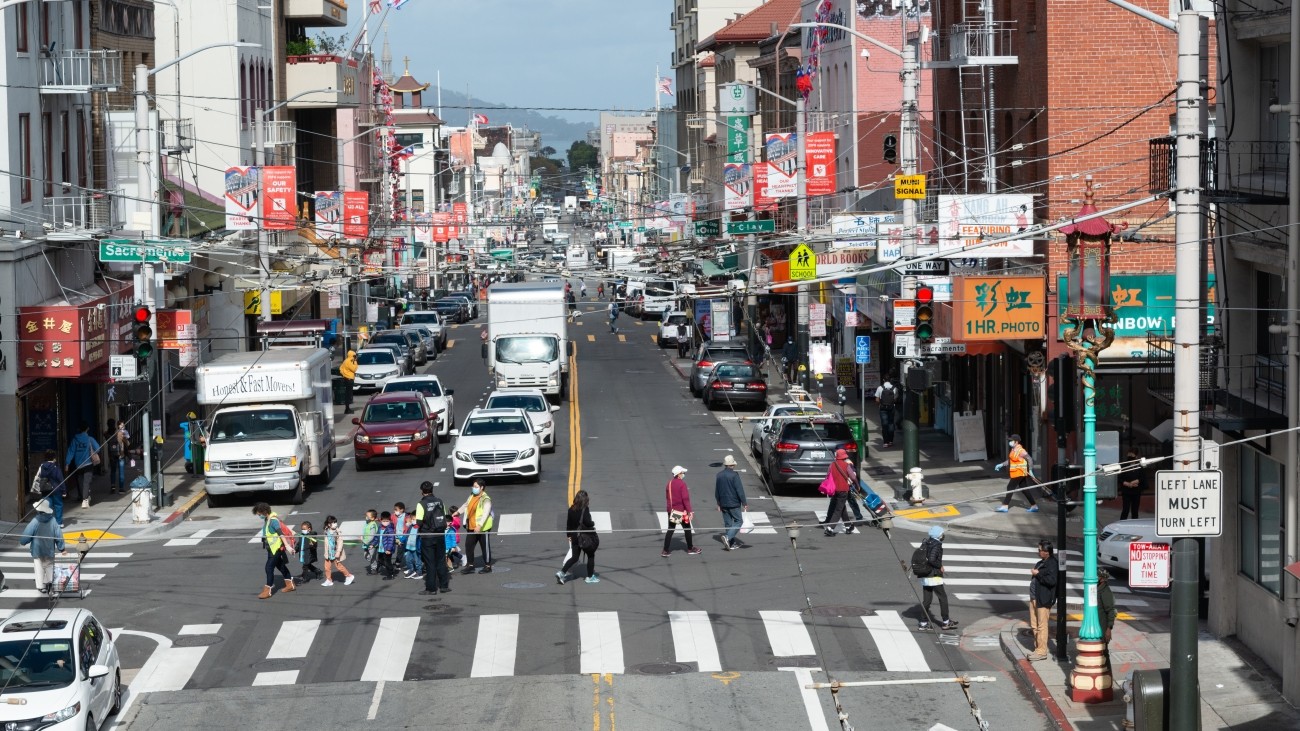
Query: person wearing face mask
(478, 517)
(1021, 472)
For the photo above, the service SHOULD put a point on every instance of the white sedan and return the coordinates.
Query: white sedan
(1114, 540)
(496, 443)
(534, 403)
(61, 671)
(441, 401)
(375, 368)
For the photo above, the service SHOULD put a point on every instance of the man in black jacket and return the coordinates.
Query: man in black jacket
(933, 584)
(1042, 594)
(431, 517)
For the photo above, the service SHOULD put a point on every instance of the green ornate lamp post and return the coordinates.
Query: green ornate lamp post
(1089, 330)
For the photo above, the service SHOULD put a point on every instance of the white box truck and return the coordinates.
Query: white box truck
(270, 419)
(570, 204)
(528, 337)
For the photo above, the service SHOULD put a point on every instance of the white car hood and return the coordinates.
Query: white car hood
(496, 442)
(39, 702)
(437, 403)
(373, 369)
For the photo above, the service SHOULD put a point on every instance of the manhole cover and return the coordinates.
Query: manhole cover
(660, 668)
(881, 471)
(202, 517)
(838, 611)
(196, 640)
(794, 662)
(522, 585)
(286, 663)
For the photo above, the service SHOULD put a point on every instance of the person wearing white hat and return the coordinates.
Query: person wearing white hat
(679, 512)
(729, 491)
(46, 539)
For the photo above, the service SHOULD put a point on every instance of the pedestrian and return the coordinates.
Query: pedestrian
(584, 289)
(370, 542)
(348, 370)
(1106, 609)
(451, 544)
(411, 543)
(335, 554)
(582, 539)
(431, 523)
(483, 339)
(1021, 471)
(613, 316)
(277, 551)
(683, 339)
(790, 359)
(45, 538)
(478, 517)
(1131, 489)
(679, 512)
(116, 446)
(1042, 595)
(387, 544)
(83, 455)
(50, 485)
(308, 553)
(600, 291)
(729, 492)
(932, 579)
(886, 399)
(842, 472)
(401, 521)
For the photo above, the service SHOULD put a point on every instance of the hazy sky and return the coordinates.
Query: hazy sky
(536, 53)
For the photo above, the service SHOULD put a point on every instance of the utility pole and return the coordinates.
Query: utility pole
(1292, 513)
(263, 246)
(911, 163)
(147, 197)
(801, 228)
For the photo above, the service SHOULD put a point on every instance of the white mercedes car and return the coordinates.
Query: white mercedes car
(496, 443)
(375, 368)
(534, 403)
(61, 671)
(441, 401)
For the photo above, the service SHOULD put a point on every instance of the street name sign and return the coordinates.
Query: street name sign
(1148, 565)
(126, 250)
(906, 346)
(766, 226)
(909, 187)
(1189, 503)
(711, 227)
(803, 263)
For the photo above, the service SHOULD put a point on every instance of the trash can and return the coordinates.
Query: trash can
(858, 428)
(339, 387)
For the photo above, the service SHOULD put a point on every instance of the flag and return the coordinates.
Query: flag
(480, 119)
(374, 7)
(406, 153)
(397, 4)
(665, 85)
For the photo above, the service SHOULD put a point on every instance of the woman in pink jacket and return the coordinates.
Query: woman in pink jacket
(679, 512)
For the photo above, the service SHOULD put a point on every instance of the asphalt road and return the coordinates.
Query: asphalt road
(718, 639)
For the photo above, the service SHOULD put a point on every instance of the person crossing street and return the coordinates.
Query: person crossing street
(431, 519)
(729, 491)
(478, 516)
(1021, 472)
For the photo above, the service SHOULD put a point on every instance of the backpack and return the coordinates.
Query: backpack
(41, 484)
(435, 516)
(921, 567)
(887, 397)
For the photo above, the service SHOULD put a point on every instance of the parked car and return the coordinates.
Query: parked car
(451, 310)
(534, 403)
(803, 452)
(403, 360)
(441, 402)
(427, 338)
(375, 368)
(767, 428)
(430, 319)
(395, 425)
(709, 355)
(471, 307)
(411, 343)
(61, 670)
(1113, 541)
(668, 328)
(496, 443)
(735, 383)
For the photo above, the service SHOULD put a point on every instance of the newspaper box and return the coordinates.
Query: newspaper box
(67, 575)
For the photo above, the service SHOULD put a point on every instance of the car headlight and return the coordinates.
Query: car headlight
(363, 438)
(388, 374)
(502, 382)
(527, 453)
(287, 462)
(69, 712)
(422, 434)
(213, 466)
(1126, 537)
(462, 457)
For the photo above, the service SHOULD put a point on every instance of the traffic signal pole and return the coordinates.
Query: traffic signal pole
(910, 163)
(146, 197)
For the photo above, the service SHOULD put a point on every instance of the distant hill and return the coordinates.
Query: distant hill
(556, 131)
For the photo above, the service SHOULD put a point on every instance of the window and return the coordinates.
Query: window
(82, 149)
(47, 142)
(1259, 519)
(77, 37)
(45, 26)
(21, 40)
(65, 160)
(25, 156)
(243, 96)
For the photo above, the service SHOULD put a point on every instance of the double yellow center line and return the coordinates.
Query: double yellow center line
(575, 429)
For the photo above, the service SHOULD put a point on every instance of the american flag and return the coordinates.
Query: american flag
(397, 4)
(665, 85)
(480, 119)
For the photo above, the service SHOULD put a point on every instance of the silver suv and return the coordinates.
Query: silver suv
(431, 320)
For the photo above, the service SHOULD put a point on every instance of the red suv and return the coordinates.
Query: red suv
(395, 425)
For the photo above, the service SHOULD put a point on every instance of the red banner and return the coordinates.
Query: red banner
(762, 202)
(820, 159)
(356, 214)
(459, 214)
(443, 227)
(63, 341)
(279, 198)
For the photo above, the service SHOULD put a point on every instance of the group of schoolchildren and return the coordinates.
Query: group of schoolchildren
(390, 542)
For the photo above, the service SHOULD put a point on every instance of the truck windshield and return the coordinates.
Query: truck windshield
(526, 350)
(660, 288)
(254, 426)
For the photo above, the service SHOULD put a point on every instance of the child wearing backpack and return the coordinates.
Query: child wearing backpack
(370, 542)
(411, 541)
(387, 543)
(307, 553)
(455, 559)
(334, 553)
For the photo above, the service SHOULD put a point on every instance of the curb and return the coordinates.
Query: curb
(1033, 682)
(179, 514)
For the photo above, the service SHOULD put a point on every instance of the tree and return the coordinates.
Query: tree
(583, 155)
(547, 151)
(544, 166)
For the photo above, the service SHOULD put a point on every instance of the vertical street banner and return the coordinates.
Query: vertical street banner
(763, 199)
(279, 198)
(242, 192)
(460, 214)
(820, 152)
(356, 214)
(329, 214)
(737, 187)
(782, 164)
(423, 223)
(738, 139)
(444, 226)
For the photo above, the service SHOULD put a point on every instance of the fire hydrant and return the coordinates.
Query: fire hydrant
(141, 500)
(916, 489)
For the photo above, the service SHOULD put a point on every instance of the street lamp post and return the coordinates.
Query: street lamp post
(1089, 331)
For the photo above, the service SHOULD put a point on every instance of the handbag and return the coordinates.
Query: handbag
(588, 541)
(827, 487)
(94, 458)
(675, 517)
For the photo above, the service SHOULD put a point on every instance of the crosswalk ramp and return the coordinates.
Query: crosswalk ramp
(303, 651)
(20, 573)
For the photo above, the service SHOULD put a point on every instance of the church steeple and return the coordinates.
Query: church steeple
(386, 58)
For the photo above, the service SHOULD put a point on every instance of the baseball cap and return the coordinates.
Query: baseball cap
(679, 470)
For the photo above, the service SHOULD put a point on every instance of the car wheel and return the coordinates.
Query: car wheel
(117, 694)
(708, 400)
(536, 478)
(432, 456)
(362, 465)
(215, 501)
(300, 495)
(90, 723)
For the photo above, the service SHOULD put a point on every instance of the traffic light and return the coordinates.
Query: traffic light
(890, 151)
(143, 333)
(925, 314)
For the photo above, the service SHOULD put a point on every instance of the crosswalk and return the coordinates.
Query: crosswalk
(20, 574)
(302, 651)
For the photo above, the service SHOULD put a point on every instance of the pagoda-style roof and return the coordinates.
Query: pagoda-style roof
(406, 84)
(1096, 227)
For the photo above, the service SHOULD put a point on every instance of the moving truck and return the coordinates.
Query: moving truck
(528, 337)
(270, 420)
(570, 204)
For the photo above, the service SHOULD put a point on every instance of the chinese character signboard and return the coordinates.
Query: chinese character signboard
(966, 221)
(242, 189)
(356, 214)
(63, 341)
(738, 139)
(279, 198)
(820, 159)
(329, 213)
(1143, 303)
(999, 308)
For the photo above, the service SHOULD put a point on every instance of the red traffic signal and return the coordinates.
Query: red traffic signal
(924, 294)
(142, 314)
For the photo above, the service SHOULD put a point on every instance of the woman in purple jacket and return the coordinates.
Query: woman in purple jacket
(679, 512)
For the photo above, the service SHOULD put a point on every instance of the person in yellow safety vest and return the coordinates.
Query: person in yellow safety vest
(277, 555)
(1021, 474)
(478, 517)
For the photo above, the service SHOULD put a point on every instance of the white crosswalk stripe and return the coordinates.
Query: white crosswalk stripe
(20, 584)
(494, 651)
(602, 644)
(392, 649)
(693, 640)
(898, 647)
(787, 634)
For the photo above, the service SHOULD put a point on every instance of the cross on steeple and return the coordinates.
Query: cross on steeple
(406, 65)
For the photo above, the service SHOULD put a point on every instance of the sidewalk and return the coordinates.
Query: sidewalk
(1237, 690)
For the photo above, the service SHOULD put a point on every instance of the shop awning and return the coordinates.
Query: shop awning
(710, 268)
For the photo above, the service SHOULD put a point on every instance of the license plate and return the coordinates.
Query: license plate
(390, 450)
(817, 455)
(496, 470)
